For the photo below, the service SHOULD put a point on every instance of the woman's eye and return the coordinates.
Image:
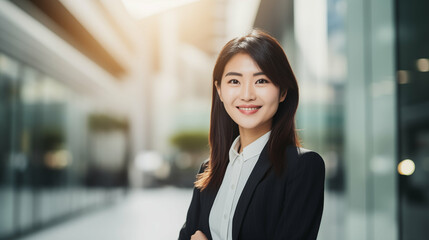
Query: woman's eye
(233, 81)
(259, 81)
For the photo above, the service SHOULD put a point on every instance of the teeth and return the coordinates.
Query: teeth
(248, 109)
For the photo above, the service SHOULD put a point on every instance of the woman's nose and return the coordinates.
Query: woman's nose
(247, 92)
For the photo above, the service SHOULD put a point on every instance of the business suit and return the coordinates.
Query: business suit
(288, 206)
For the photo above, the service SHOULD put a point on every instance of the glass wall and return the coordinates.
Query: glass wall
(413, 101)
(47, 164)
(8, 99)
(321, 69)
(345, 65)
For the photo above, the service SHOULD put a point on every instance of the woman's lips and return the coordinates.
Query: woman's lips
(248, 109)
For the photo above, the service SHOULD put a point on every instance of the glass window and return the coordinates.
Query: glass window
(8, 98)
(413, 81)
(25, 147)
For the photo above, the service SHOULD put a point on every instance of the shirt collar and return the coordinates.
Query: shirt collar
(255, 148)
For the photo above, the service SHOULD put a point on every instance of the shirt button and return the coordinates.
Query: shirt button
(232, 186)
(225, 216)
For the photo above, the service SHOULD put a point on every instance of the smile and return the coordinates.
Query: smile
(248, 109)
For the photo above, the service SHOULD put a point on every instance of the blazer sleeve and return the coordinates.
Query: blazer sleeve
(303, 206)
(192, 217)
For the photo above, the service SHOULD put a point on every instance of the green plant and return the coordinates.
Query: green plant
(190, 140)
(104, 122)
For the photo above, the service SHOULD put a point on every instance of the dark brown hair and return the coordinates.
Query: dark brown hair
(270, 57)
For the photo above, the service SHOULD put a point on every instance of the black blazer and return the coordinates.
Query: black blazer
(288, 206)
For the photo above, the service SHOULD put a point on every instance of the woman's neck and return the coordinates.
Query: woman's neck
(247, 136)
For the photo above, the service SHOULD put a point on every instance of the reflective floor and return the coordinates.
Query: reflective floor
(146, 214)
(158, 214)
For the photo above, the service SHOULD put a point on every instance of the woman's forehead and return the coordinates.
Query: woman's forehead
(242, 63)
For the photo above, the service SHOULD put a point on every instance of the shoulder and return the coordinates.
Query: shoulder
(304, 161)
(309, 156)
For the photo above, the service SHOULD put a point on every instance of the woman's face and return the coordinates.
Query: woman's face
(249, 96)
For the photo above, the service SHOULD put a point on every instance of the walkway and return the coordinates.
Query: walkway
(146, 214)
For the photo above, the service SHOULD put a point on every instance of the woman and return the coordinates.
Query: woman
(257, 183)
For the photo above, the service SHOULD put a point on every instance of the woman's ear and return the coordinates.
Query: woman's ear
(216, 83)
(283, 95)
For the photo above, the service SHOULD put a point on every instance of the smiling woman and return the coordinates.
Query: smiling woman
(258, 183)
(250, 98)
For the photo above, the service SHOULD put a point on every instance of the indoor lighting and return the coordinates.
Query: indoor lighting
(140, 9)
(423, 64)
(403, 77)
(406, 167)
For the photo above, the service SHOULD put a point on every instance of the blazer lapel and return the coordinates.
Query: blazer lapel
(258, 172)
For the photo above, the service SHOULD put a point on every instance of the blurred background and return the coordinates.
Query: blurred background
(104, 111)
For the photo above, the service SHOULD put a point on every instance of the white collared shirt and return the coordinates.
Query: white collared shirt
(237, 172)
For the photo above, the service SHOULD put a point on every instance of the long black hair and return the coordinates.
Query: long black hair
(270, 57)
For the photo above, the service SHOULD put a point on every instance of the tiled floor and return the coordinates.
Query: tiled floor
(146, 214)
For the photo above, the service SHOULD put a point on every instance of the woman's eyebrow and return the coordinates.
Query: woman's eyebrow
(239, 74)
(233, 74)
(259, 73)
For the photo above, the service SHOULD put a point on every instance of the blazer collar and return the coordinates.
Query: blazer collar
(258, 172)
